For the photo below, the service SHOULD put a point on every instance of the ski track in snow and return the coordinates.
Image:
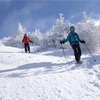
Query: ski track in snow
(47, 76)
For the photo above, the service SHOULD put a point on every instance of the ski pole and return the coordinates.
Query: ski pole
(90, 53)
(63, 52)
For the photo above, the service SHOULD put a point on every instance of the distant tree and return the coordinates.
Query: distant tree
(58, 31)
(36, 37)
(1, 44)
(16, 39)
(89, 31)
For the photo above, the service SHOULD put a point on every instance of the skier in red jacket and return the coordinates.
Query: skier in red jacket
(26, 41)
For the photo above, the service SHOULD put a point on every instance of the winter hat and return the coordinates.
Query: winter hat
(72, 27)
(25, 35)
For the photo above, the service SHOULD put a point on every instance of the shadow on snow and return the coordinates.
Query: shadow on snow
(49, 67)
(33, 69)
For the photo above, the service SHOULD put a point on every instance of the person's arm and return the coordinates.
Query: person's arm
(78, 38)
(67, 39)
(81, 41)
(30, 40)
(23, 40)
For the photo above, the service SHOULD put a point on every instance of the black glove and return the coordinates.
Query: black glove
(82, 41)
(31, 41)
(62, 42)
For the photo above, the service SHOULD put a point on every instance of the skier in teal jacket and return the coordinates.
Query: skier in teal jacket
(74, 40)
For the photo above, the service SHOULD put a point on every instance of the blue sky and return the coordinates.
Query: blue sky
(42, 14)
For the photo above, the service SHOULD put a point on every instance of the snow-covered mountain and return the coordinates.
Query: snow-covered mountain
(47, 76)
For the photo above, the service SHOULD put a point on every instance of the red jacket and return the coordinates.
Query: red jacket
(26, 40)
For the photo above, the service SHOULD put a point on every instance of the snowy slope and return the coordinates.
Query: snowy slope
(47, 76)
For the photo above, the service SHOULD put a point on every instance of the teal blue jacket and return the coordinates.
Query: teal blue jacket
(73, 38)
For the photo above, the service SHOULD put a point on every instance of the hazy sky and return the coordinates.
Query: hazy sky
(42, 14)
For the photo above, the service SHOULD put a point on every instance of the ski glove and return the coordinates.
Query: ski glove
(82, 41)
(62, 42)
(31, 41)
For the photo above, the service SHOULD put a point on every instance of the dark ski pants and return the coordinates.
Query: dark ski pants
(77, 51)
(27, 48)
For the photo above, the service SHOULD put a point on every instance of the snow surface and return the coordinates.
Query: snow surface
(47, 75)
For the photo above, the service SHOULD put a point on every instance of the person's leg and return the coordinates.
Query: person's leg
(79, 51)
(28, 47)
(25, 45)
(76, 52)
